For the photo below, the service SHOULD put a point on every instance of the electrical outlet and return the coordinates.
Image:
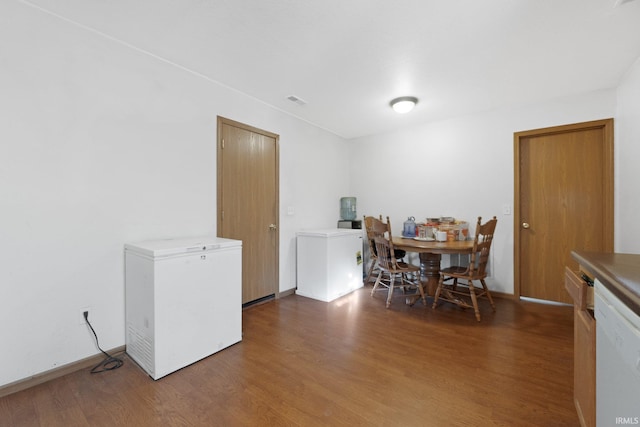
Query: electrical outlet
(81, 314)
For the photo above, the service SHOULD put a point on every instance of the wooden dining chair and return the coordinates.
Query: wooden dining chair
(460, 293)
(375, 227)
(401, 275)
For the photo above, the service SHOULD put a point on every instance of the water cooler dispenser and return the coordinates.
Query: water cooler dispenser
(348, 214)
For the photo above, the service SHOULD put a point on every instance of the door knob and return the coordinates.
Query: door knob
(272, 227)
(525, 225)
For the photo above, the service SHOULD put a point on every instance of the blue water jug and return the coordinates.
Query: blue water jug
(409, 228)
(348, 208)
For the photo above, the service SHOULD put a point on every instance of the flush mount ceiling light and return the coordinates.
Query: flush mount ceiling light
(404, 104)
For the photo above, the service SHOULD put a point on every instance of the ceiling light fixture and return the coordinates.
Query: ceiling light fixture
(404, 104)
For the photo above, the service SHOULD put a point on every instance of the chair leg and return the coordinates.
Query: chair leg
(372, 267)
(375, 285)
(409, 280)
(474, 299)
(391, 286)
(438, 290)
(488, 294)
(369, 273)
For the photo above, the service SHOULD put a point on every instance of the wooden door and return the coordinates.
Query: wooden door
(248, 203)
(563, 202)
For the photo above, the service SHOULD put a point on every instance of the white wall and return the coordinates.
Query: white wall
(627, 140)
(462, 167)
(101, 144)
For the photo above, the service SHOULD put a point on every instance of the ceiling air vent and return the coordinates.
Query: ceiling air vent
(297, 100)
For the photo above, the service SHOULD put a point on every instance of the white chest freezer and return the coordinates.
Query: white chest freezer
(329, 263)
(183, 301)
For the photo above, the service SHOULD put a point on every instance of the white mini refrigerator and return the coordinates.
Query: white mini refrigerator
(329, 263)
(183, 301)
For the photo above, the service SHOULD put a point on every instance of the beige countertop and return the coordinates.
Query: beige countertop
(620, 273)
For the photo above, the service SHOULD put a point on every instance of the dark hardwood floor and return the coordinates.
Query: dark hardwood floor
(350, 362)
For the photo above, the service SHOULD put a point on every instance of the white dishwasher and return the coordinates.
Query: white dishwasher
(183, 300)
(617, 360)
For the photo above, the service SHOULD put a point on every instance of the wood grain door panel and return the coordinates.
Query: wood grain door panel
(564, 202)
(248, 203)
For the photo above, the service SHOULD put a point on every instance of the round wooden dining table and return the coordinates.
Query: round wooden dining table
(430, 253)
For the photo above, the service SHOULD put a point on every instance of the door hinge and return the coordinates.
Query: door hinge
(222, 215)
(223, 143)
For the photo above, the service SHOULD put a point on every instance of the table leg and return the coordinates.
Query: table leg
(430, 271)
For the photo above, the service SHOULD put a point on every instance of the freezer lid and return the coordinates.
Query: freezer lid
(330, 232)
(168, 247)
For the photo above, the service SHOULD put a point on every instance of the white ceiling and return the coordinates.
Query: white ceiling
(348, 58)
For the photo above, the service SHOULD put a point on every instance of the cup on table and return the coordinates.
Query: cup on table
(441, 236)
